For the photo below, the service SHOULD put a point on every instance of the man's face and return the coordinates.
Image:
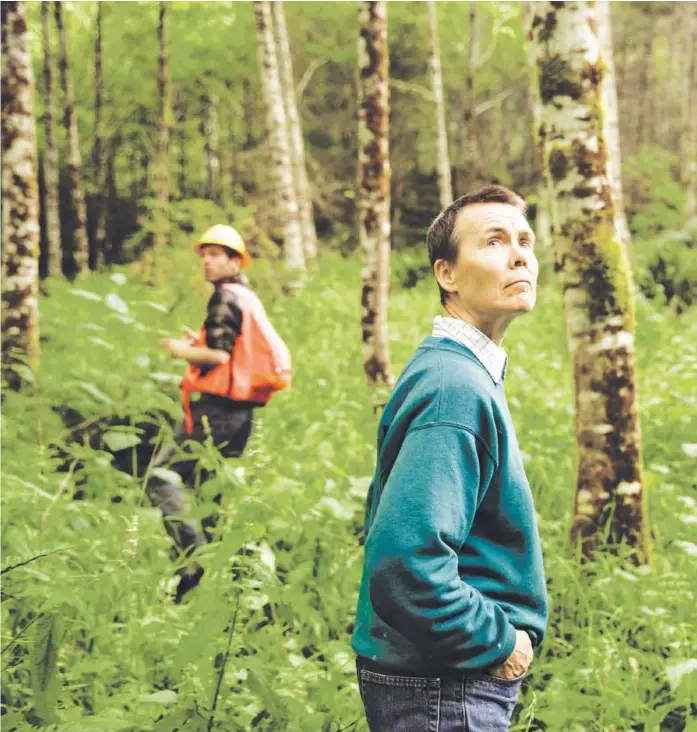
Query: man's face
(495, 275)
(217, 262)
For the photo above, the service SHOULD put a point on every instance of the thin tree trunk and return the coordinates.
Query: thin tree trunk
(689, 156)
(98, 152)
(20, 201)
(471, 155)
(161, 154)
(81, 251)
(544, 224)
(110, 255)
(445, 188)
(286, 205)
(297, 148)
(211, 138)
(54, 264)
(612, 125)
(179, 134)
(596, 281)
(374, 187)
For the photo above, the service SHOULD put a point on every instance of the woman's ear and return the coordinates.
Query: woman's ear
(445, 274)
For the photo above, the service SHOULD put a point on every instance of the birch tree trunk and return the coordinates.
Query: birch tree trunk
(285, 205)
(297, 148)
(596, 280)
(81, 250)
(54, 263)
(98, 152)
(161, 154)
(20, 200)
(374, 187)
(445, 188)
(612, 124)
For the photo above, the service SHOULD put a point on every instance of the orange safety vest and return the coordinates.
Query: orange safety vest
(260, 363)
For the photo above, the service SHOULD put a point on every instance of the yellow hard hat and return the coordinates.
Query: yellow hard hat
(224, 236)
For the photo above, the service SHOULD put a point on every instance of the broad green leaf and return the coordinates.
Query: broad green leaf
(116, 441)
(46, 639)
(96, 393)
(86, 294)
(676, 672)
(114, 302)
(164, 696)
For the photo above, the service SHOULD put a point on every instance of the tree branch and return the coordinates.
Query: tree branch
(302, 84)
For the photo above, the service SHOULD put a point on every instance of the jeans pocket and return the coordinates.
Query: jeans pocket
(490, 701)
(400, 703)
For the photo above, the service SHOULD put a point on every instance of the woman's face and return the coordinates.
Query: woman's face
(495, 275)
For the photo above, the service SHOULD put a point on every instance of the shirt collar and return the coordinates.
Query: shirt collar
(491, 356)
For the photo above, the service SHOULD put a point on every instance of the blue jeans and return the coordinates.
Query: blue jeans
(461, 702)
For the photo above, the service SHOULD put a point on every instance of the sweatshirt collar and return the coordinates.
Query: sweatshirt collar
(491, 356)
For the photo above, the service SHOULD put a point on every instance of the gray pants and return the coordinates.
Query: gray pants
(230, 425)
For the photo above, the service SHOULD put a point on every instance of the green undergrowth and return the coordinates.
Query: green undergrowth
(93, 641)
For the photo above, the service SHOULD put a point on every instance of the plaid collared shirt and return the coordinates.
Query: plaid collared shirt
(491, 356)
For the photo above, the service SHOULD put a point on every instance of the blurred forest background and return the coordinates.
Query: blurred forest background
(168, 135)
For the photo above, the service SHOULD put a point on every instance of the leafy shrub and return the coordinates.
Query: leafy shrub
(655, 198)
(668, 267)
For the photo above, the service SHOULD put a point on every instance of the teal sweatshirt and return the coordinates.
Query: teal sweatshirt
(453, 564)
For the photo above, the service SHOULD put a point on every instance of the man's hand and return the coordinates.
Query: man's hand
(190, 335)
(175, 347)
(518, 662)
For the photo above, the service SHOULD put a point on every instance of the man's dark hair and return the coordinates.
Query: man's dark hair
(228, 251)
(440, 238)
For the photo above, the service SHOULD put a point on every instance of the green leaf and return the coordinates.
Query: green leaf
(114, 302)
(116, 441)
(164, 696)
(47, 636)
(195, 645)
(96, 393)
(676, 672)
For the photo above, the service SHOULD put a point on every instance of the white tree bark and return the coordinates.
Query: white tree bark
(286, 205)
(445, 188)
(297, 147)
(374, 187)
(595, 277)
(51, 198)
(612, 124)
(20, 199)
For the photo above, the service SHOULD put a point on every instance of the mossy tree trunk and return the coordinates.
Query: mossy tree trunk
(445, 187)
(20, 201)
(374, 188)
(595, 276)
(612, 123)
